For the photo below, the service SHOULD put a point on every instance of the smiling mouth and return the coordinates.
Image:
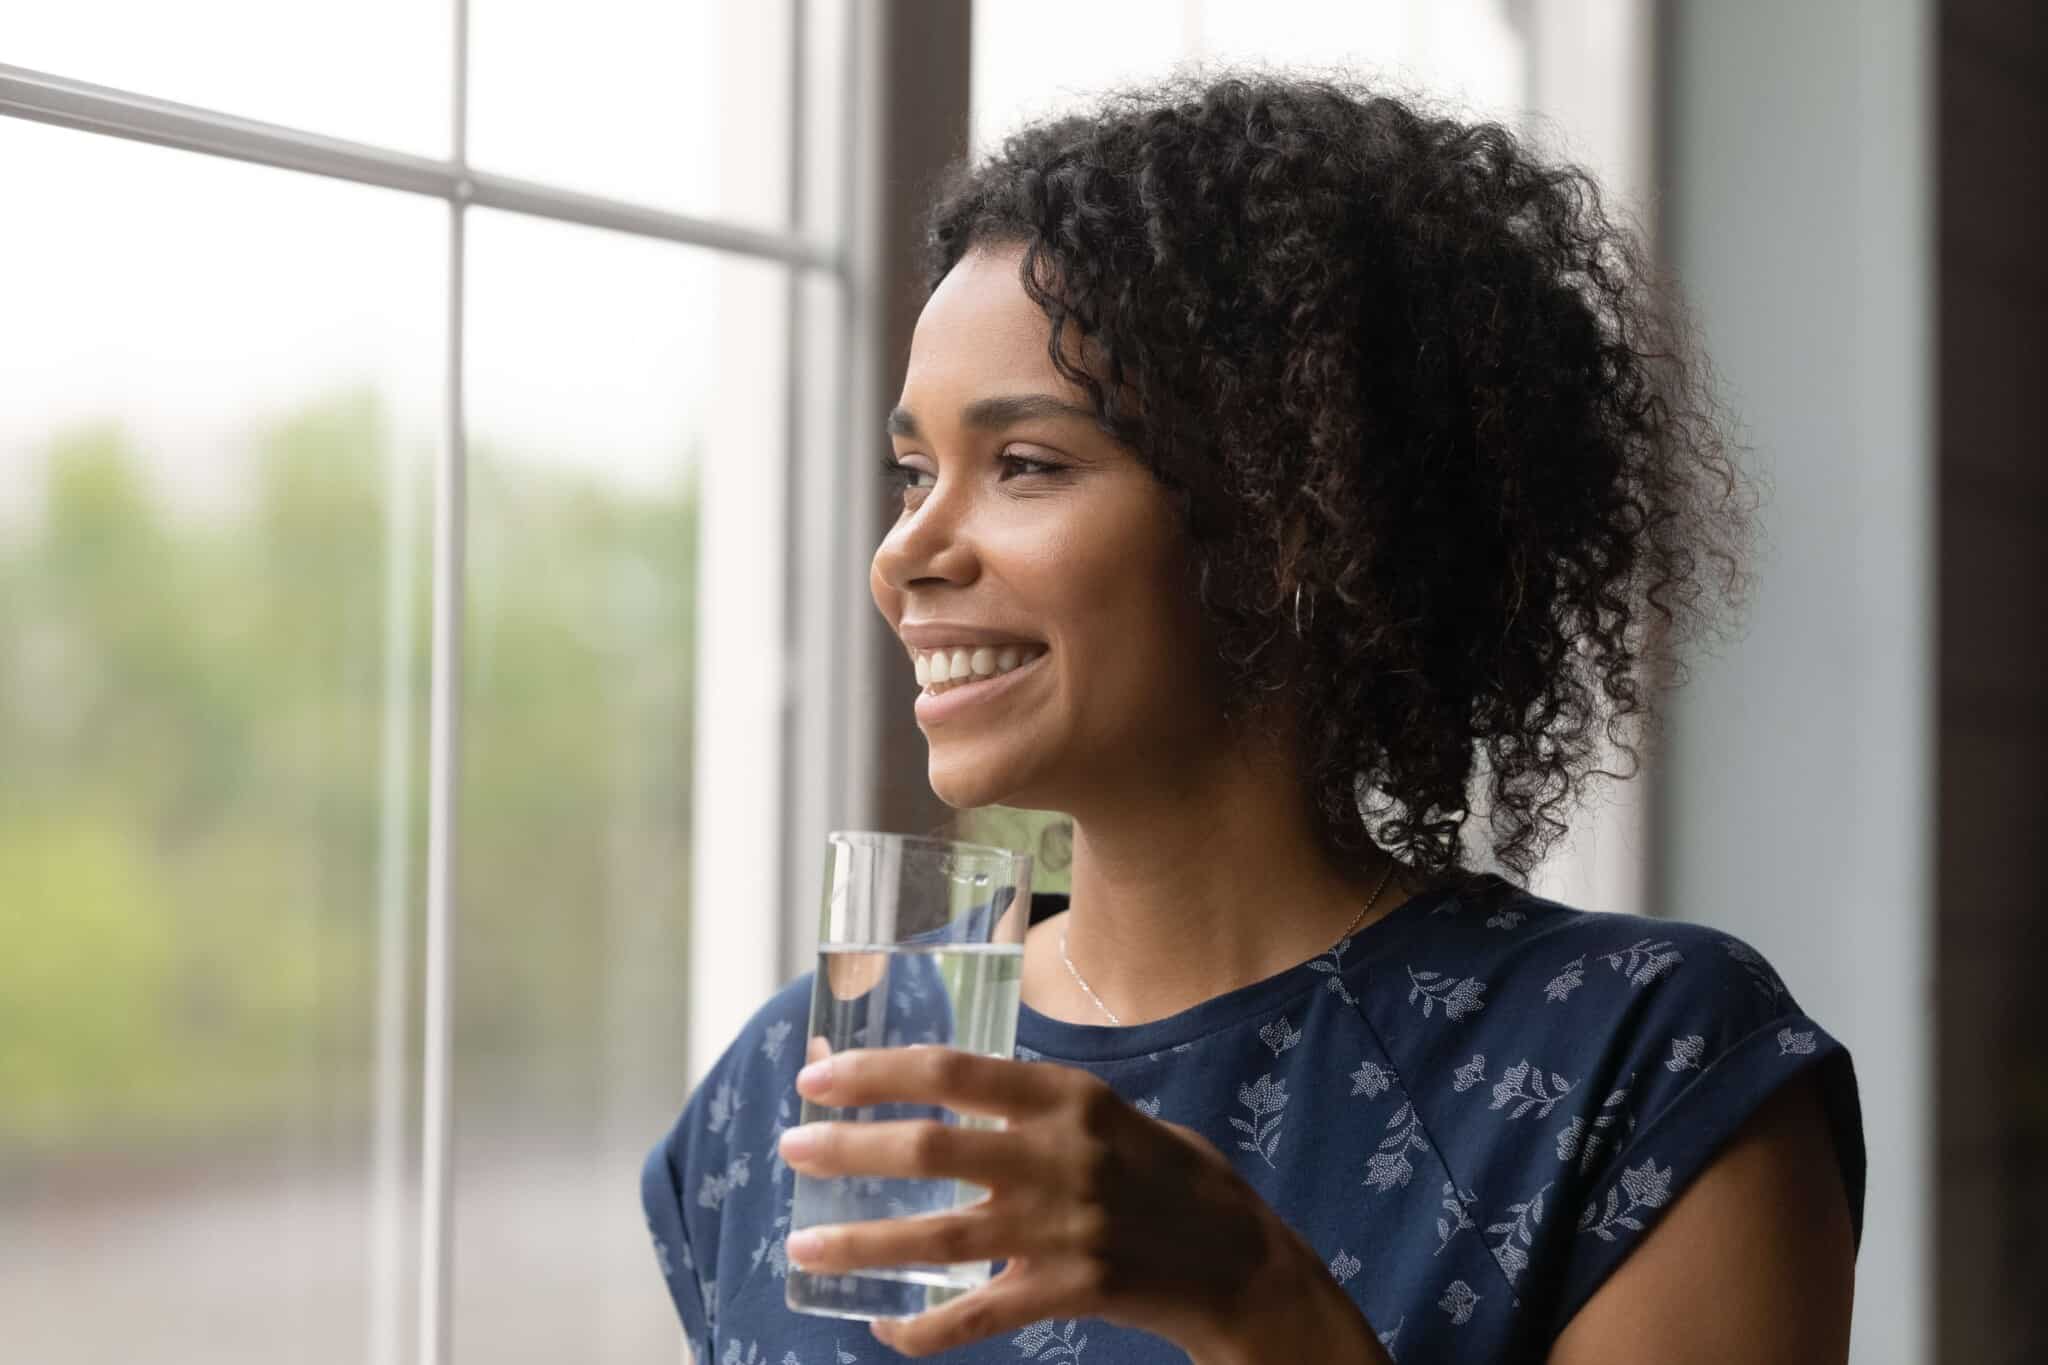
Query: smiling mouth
(941, 704)
(941, 670)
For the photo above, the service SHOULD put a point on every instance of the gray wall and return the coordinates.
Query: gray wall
(1795, 809)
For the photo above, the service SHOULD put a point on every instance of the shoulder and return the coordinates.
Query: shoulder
(1518, 961)
(1636, 1019)
(1591, 1065)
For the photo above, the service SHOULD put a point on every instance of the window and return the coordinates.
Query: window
(395, 587)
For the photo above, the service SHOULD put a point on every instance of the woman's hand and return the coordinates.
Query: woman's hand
(1100, 1210)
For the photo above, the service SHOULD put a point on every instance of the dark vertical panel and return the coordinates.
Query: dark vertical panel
(1991, 1073)
(924, 75)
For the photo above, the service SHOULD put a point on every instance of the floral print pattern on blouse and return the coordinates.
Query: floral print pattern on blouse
(1472, 1109)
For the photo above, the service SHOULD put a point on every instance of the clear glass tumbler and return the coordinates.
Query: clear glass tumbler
(921, 941)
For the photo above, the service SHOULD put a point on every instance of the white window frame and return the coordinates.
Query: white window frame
(751, 856)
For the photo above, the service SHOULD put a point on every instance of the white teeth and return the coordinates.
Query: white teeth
(942, 668)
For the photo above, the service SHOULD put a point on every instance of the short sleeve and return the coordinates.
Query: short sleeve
(711, 1188)
(662, 1203)
(1716, 1038)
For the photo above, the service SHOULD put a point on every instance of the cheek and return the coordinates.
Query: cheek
(1124, 604)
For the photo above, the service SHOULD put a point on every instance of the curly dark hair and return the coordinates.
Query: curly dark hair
(1450, 466)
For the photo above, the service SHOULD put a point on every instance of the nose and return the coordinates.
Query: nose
(930, 545)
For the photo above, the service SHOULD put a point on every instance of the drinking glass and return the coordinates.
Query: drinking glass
(921, 941)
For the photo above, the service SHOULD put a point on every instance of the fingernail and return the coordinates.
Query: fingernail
(799, 1142)
(804, 1245)
(817, 1076)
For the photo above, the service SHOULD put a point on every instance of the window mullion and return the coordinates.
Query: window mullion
(444, 766)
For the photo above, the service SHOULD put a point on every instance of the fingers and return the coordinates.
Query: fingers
(976, 1233)
(925, 1074)
(910, 1149)
(1011, 1300)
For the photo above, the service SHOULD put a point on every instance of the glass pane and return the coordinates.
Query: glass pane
(376, 71)
(1026, 64)
(679, 104)
(222, 406)
(1464, 51)
(598, 366)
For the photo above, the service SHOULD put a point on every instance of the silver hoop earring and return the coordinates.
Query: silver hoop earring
(1297, 610)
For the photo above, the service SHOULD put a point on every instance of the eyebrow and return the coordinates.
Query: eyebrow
(989, 414)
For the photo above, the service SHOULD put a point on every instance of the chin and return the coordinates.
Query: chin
(964, 791)
(965, 785)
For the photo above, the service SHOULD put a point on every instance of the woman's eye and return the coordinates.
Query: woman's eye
(901, 475)
(1011, 462)
(907, 479)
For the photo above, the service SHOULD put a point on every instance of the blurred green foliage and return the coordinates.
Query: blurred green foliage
(193, 711)
(1046, 835)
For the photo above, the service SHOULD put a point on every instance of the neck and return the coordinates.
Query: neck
(1187, 889)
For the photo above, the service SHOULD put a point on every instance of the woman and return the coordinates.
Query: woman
(1289, 473)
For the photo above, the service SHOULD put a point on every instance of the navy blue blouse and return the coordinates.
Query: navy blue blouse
(1472, 1109)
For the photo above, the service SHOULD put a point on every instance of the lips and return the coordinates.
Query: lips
(948, 634)
(939, 704)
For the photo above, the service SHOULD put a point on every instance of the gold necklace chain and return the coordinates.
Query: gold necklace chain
(1075, 972)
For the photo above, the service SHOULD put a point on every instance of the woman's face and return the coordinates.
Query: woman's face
(1025, 536)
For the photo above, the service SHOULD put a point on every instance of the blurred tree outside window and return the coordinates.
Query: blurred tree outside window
(226, 393)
